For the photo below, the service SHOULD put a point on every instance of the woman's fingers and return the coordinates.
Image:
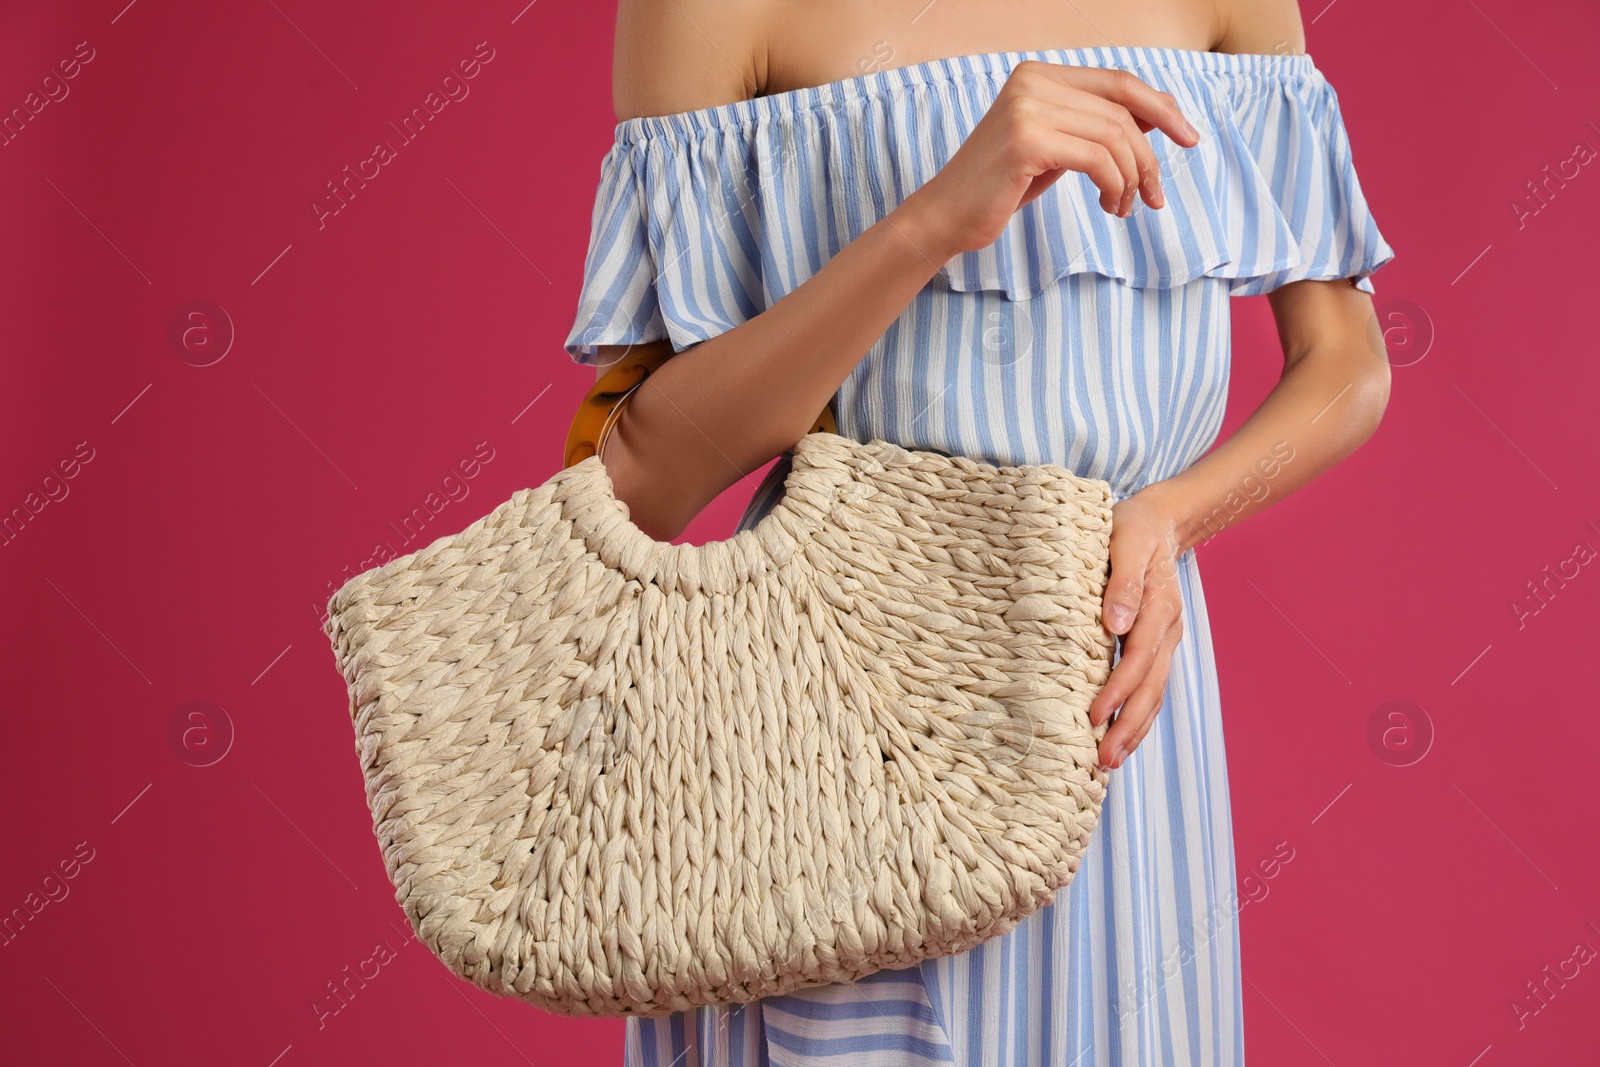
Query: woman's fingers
(1138, 713)
(1141, 583)
(1139, 651)
(1104, 128)
(1099, 119)
(1063, 152)
(1130, 558)
(1140, 605)
(1143, 101)
(1048, 119)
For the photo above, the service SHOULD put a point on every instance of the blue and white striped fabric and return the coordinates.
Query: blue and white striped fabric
(1077, 338)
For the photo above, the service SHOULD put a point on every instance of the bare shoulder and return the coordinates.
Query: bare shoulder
(1264, 26)
(681, 55)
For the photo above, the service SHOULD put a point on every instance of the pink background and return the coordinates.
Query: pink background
(219, 505)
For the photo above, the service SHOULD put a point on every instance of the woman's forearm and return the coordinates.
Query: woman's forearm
(1328, 402)
(716, 411)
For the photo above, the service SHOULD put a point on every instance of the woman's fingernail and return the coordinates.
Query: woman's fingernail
(1120, 616)
(1160, 197)
(1191, 130)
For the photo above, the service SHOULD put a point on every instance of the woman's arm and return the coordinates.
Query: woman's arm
(725, 406)
(1333, 391)
(1332, 394)
(720, 409)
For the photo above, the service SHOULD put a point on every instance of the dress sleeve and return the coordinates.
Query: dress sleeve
(1300, 162)
(674, 251)
(617, 303)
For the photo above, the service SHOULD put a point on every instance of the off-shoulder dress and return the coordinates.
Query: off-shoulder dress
(1077, 338)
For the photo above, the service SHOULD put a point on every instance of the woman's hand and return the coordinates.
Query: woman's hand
(1047, 119)
(1143, 605)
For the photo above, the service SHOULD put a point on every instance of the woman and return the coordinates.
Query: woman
(891, 206)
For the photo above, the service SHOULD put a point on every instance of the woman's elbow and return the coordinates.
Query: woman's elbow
(1371, 388)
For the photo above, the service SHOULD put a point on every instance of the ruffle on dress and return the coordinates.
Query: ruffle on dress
(705, 218)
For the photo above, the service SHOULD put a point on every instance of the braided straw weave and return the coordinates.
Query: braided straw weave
(614, 776)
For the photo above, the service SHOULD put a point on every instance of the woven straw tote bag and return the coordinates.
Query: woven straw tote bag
(612, 776)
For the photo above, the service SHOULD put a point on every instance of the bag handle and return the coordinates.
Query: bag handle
(825, 473)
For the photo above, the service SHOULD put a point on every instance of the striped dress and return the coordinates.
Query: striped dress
(1077, 338)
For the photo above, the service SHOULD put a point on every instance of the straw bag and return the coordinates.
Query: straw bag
(614, 776)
